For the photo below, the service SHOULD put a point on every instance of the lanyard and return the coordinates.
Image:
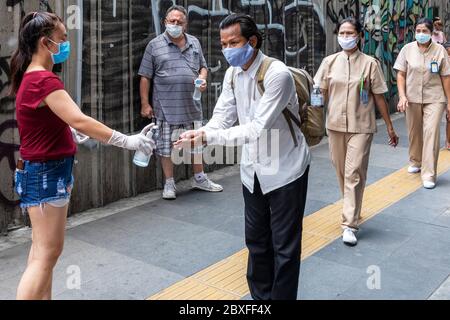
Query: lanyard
(361, 85)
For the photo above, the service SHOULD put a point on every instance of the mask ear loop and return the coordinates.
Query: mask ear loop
(58, 44)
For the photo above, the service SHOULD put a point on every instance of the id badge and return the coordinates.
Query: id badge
(363, 92)
(364, 96)
(434, 67)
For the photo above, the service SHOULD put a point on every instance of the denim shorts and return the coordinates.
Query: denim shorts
(44, 182)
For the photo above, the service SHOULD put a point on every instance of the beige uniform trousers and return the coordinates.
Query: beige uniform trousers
(423, 121)
(350, 156)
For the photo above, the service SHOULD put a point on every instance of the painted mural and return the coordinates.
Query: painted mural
(116, 32)
(389, 25)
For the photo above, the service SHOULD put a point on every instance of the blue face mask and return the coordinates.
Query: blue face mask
(238, 57)
(423, 38)
(63, 52)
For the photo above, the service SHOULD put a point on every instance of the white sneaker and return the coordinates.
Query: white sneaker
(207, 185)
(429, 184)
(348, 237)
(412, 169)
(169, 192)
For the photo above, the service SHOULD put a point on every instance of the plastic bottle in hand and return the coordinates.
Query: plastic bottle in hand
(197, 93)
(316, 97)
(141, 159)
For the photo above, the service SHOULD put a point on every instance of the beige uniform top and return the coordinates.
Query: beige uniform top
(341, 76)
(423, 86)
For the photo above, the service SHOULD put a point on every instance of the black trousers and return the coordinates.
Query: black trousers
(273, 233)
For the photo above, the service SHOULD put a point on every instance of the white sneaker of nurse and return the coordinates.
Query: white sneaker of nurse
(206, 185)
(169, 192)
(348, 237)
(413, 169)
(429, 184)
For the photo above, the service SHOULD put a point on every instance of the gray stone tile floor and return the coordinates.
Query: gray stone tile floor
(403, 252)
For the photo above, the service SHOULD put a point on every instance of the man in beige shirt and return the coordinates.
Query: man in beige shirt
(423, 71)
(353, 84)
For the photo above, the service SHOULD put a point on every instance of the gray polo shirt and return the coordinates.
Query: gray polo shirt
(173, 72)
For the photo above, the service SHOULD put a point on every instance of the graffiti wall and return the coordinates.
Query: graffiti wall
(10, 13)
(110, 36)
(389, 25)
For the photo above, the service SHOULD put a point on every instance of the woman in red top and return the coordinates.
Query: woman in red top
(45, 114)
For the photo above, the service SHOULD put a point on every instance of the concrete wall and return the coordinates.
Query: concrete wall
(109, 38)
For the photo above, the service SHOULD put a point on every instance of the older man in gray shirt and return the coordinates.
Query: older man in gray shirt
(171, 63)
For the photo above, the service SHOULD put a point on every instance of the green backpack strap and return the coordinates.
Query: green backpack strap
(233, 73)
(288, 115)
(261, 73)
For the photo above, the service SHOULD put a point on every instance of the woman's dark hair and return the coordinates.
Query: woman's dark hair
(248, 26)
(354, 22)
(33, 26)
(427, 22)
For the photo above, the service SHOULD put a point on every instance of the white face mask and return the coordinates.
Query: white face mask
(174, 31)
(348, 43)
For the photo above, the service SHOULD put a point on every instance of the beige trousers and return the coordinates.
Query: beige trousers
(350, 156)
(423, 121)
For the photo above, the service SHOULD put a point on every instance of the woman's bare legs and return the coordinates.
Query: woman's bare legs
(47, 244)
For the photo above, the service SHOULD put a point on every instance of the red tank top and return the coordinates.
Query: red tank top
(43, 135)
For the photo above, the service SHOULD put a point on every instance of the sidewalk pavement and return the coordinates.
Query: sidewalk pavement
(137, 247)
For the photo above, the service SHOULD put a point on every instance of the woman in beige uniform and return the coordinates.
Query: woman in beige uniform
(423, 79)
(352, 83)
(447, 143)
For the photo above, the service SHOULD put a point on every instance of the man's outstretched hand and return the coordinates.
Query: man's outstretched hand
(190, 139)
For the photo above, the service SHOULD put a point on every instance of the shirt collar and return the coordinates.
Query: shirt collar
(353, 56)
(428, 49)
(253, 69)
(169, 41)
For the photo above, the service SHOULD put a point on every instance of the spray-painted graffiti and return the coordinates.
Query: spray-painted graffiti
(13, 12)
(286, 26)
(340, 9)
(295, 30)
(7, 150)
(298, 32)
(388, 27)
(44, 6)
(5, 81)
(446, 16)
(12, 3)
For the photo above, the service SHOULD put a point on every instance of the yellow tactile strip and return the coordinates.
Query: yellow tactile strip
(226, 279)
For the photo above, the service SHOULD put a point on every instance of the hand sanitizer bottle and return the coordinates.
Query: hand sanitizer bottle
(141, 159)
(197, 93)
(316, 97)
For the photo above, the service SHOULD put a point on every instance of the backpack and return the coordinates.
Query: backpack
(311, 123)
